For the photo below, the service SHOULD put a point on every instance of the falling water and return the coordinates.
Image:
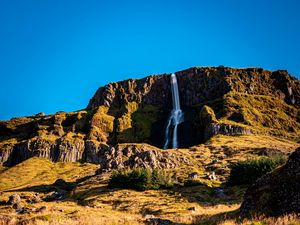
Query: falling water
(176, 116)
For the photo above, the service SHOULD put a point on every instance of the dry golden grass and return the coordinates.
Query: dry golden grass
(228, 219)
(254, 142)
(38, 171)
(93, 203)
(68, 212)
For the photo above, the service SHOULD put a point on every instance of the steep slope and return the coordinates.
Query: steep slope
(276, 193)
(215, 100)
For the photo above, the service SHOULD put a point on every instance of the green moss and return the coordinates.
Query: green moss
(102, 124)
(264, 114)
(143, 120)
(207, 115)
(136, 123)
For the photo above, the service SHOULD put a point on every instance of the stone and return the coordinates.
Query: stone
(193, 209)
(35, 199)
(14, 199)
(62, 184)
(193, 175)
(148, 216)
(23, 210)
(158, 221)
(211, 176)
(54, 196)
(17, 206)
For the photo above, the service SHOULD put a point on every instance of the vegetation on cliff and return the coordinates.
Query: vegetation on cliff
(240, 117)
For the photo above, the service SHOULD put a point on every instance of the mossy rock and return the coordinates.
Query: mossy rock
(207, 116)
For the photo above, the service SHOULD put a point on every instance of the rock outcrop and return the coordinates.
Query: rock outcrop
(226, 129)
(215, 100)
(276, 193)
(200, 84)
(140, 155)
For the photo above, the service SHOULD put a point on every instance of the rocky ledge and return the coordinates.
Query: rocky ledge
(109, 157)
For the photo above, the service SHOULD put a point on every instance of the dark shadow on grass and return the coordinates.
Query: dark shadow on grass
(200, 194)
(211, 196)
(217, 218)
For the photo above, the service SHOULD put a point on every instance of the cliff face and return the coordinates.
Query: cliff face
(199, 85)
(215, 100)
(241, 99)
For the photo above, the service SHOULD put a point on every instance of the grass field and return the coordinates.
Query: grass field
(92, 202)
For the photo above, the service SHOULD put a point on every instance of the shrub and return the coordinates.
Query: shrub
(140, 179)
(246, 172)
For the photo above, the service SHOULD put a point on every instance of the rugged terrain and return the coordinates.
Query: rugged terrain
(276, 193)
(215, 100)
(230, 114)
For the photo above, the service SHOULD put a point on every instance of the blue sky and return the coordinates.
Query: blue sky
(54, 54)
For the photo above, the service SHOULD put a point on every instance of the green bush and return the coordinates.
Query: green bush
(140, 179)
(246, 172)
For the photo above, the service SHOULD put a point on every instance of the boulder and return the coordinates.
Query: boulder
(193, 175)
(54, 196)
(62, 184)
(158, 221)
(17, 206)
(33, 199)
(14, 199)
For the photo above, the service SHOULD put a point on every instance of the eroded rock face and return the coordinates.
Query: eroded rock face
(109, 157)
(70, 151)
(226, 129)
(140, 155)
(276, 193)
(200, 84)
(61, 150)
(215, 101)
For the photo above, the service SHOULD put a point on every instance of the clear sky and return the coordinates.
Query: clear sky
(54, 54)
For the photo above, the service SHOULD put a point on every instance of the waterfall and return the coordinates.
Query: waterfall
(176, 116)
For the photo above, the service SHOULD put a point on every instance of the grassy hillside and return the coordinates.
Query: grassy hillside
(38, 171)
(92, 202)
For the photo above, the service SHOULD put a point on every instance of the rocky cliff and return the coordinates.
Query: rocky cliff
(277, 193)
(215, 100)
(199, 85)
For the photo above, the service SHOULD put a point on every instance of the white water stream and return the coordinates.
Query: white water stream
(176, 116)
